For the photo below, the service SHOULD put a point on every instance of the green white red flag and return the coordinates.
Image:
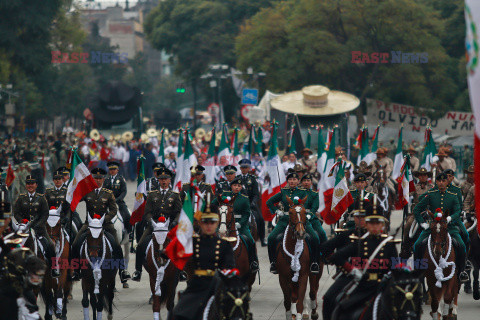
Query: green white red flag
(188, 161)
(430, 151)
(81, 182)
(341, 196)
(223, 149)
(363, 144)
(327, 181)
(398, 161)
(405, 184)
(141, 194)
(372, 156)
(210, 162)
(236, 150)
(161, 149)
(10, 176)
(180, 249)
(308, 142)
(177, 184)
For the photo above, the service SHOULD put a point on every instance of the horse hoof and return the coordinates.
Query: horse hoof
(476, 294)
(70, 297)
(126, 286)
(305, 317)
(110, 317)
(150, 301)
(314, 316)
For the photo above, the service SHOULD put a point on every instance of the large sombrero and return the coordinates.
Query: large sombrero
(95, 135)
(316, 101)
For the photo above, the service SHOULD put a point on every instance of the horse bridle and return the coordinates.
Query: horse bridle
(298, 212)
(441, 243)
(408, 296)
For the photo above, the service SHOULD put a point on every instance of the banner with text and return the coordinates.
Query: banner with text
(393, 115)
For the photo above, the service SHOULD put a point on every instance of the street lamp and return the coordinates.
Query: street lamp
(218, 72)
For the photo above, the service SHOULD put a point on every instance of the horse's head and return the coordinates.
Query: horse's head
(232, 297)
(438, 227)
(53, 223)
(22, 226)
(380, 175)
(403, 294)
(297, 216)
(225, 211)
(160, 230)
(94, 239)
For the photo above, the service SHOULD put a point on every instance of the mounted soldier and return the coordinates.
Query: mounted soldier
(100, 201)
(359, 192)
(251, 189)
(55, 197)
(154, 182)
(241, 212)
(117, 184)
(440, 198)
(197, 189)
(295, 193)
(162, 202)
(230, 173)
(210, 253)
(469, 182)
(33, 207)
(422, 186)
(313, 204)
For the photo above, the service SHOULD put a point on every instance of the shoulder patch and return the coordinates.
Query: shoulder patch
(48, 189)
(23, 194)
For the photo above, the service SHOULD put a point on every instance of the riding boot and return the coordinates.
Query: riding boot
(139, 258)
(49, 255)
(118, 255)
(252, 257)
(314, 255)
(271, 256)
(461, 257)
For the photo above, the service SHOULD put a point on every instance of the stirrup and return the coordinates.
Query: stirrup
(463, 277)
(273, 268)
(468, 265)
(315, 268)
(254, 266)
(137, 275)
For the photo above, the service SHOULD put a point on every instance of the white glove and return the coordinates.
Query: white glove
(279, 213)
(237, 225)
(357, 274)
(424, 225)
(449, 219)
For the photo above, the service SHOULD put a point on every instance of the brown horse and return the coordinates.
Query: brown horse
(440, 249)
(163, 274)
(98, 279)
(55, 291)
(474, 253)
(228, 229)
(293, 259)
(386, 194)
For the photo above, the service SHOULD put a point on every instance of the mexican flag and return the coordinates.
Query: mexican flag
(81, 182)
(363, 144)
(398, 161)
(141, 194)
(292, 147)
(188, 160)
(429, 154)
(472, 21)
(249, 147)
(259, 138)
(10, 176)
(405, 184)
(224, 150)
(372, 156)
(341, 196)
(308, 143)
(327, 182)
(161, 148)
(274, 170)
(210, 162)
(177, 184)
(236, 150)
(180, 249)
(321, 153)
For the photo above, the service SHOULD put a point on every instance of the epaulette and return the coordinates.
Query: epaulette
(354, 237)
(22, 194)
(451, 193)
(49, 189)
(152, 191)
(175, 192)
(107, 190)
(40, 194)
(432, 190)
(244, 195)
(455, 186)
(314, 191)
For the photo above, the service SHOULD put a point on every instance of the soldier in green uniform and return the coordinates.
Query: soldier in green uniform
(100, 201)
(56, 197)
(198, 186)
(162, 202)
(230, 173)
(292, 191)
(250, 188)
(117, 184)
(360, 182)
(65, 181)
(210, 253)
(447, 201)
(241, 212)
(357, 228)
(351, 260)
(312, 207)
(33, 207)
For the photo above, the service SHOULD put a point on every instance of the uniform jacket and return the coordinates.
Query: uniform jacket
(118, 186)
(434, 199)
(102, 203)
(168, 205)
(35, 211)
(282, 198)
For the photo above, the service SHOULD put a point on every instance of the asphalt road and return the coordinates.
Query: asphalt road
(267, 297)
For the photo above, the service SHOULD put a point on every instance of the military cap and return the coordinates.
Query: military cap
(442, 176)
(229, 169)
(470, 169)
(30, 179)
(292, 175)
(449, 171)
(307, 150)
(372, 215)
(113, 165)
(157, 165)
(299, 168)
(64, 170)
(164, 173)
(58, 175)
(245, 163)
(236, 180)
(360, 177)
(198, 169)
(422, 171)
(307, 176)
(98, 173)
(209, 216)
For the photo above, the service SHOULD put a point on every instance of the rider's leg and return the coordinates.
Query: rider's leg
(317, 226)
(252, 252)
(260, 224)
(140, 254)
(315, 250)
(122, 208)
(41, 233)
(272, 241)
(461, 256)
(465, 236)
(117, 253)
(419, 246)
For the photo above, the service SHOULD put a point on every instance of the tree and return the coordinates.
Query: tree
(305, 42)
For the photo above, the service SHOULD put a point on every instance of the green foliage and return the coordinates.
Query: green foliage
(302, 42)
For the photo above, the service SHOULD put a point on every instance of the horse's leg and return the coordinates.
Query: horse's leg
(476, 289)
(314, 280)
(302, 290)
(100, 300)
(287, 296)
(110, 296)
(86, 315)
(46, 293)
(435, 296)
